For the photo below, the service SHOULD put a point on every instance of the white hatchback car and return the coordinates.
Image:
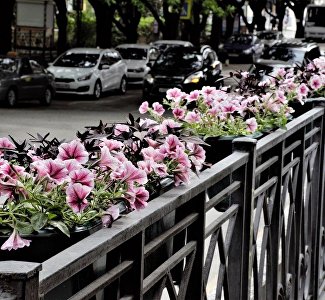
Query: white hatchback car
(137, 57)
(89, 71)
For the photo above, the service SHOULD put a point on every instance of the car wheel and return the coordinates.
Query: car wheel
(97, 90)
(122, 89)
(47, 97)
(11, 98)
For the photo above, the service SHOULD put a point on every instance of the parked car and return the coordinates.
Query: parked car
(136, 57)
(23, 79)
(269, 37)
(244, 47)
(89, 71)
(187, 68)
(162, 45)
(285, 54)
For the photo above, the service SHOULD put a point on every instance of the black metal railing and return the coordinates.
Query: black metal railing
(269, 243)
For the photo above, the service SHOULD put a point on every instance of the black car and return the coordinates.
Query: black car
(285, 54)
(186, 68)
(22, 79)
(241, 47)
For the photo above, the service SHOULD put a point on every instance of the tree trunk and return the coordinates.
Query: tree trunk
(62, 23)
(229, 26)
(104, 23)
(299, 13)
(196, 28)
(257, 6)
(171, 28)
(216, 32)
(280, 12)
(6, 18)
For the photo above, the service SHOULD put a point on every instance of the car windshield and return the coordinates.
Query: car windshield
(133, 53)
(241, 39)
(180, 58)
(8, 64)
(77, 60)
(284, 54)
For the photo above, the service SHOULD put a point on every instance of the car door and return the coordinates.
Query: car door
(119, 68)
(27, 86)
(106, 73)
(39, 80)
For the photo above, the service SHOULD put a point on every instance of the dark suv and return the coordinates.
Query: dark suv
(186, 68)
(286, 54)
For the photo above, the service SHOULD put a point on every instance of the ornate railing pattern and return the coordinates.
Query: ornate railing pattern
(269, 243)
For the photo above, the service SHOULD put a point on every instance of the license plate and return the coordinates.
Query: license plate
(233, 54)
(62, 85)
(163, 90)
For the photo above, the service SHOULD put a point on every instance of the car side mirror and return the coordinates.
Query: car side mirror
(149, 64)
(50, 64)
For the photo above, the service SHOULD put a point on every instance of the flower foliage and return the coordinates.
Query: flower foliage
(253, 105)
(56, 184)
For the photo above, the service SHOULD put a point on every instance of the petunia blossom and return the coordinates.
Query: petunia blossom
(76, 197)
(110, 215)
(129, 173)
(83, 176)
(144, 107)
(192, 117)
(251, 124)
(73, 150)
(15, 241)
(158, 108)
(315, 82)
(138, 197)
(54, 170)
(6, 144)
(120, 128)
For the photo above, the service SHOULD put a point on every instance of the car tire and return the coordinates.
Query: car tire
(122, 88)
(97, 90)
(47, 97)
(11, 98)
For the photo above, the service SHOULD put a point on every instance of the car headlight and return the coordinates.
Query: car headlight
(148, 78)
(194, 78)
(84, 77)
(248, 51)
(220, 46)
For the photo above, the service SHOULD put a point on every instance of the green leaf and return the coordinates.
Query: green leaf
(24, 227)
(61, 226)
(39, 220)
(51, 216)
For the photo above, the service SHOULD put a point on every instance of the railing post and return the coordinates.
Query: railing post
(240, 257)
(19, 280)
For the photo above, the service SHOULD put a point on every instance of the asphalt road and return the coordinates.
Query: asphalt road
(68, 114)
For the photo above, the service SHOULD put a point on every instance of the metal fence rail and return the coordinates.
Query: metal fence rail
(268, 244)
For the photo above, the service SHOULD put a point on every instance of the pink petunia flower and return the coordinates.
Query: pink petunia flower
(251, 124)
(158, 108)
(315, 82)
(15, 241)
(6, 144)
(144, 107)
(120, 128)
(138, 197)
(107, 160)
(129, 173)
(83, 176)
(179, 113)
(110, 215)
(174, 94)
(76, 197)
(54, 170)
(73, 150)
(193, 96)
(111, 144)
(192, 117)
(181, 175)
(303, 90)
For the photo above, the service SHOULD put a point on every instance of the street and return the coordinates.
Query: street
(68, 114)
